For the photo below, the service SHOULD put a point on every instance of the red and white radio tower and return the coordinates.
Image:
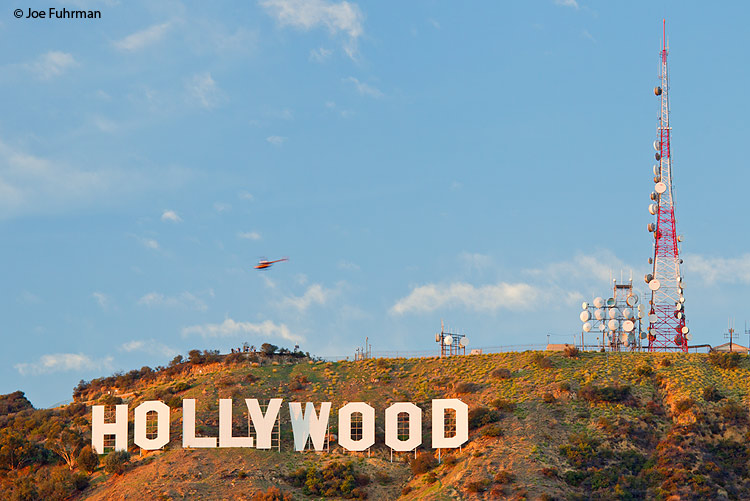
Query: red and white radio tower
(667, 330)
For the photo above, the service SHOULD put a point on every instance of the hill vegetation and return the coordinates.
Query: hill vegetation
(542, 426)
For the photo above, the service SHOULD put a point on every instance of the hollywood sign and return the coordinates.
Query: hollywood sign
(307, 424)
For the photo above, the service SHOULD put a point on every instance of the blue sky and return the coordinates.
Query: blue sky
(486, 164)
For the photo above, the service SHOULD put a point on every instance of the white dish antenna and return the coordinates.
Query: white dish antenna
(584, 305)
(587, 327)
(613, 325)
(437, 337)
(598, 302)
(678, 306)
(585, 316)
(601, 327)
(632, 299)
(678, 315)
(464, 341)
(628, 326)
(688, 336)
(611, 301)
(624, 338)
(448, 340)
(685, 329)
(656, 170)
(614, 313)
(627, 313)
(599, 314)
(652, 209)
(657, 146)
(652, 318)
(641, 308)
(682, 299)
(654, 284)
(660, 188)
(643, 335)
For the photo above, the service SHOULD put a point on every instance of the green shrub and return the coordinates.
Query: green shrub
(492, 430)
(644, 370)
(272, 494)
(480, 416)
(610, 394)
(477, 485)
(423, 463)
(563, 386)
(466, 387)
(571, 351)
(501, 373)
(503, 405)
(712, 394)
(504, 477)
(335, 479)
(88, 460)
(116, 461)
(724, 360)
(542, 361)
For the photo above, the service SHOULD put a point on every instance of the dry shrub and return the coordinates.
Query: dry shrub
(501, 373)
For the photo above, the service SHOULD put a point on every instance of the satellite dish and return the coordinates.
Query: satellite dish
(584, 306)
(660, 187)
(598, 302)
(640, 314)
(611, 301)
(648, 277)
(650, 260)
(585, 316)
(656, 170)
(587, 327)
(599, 314)
(437, 337)
(643, 335)
(654, 196)
(682, 299)
(685, 329)
(632, 299)
(613, 324)
(678, 306)
(627, 313)
(464, 341)
(657, 146)
(657, 156)
(652, 208)
(651, 227)
(678, 315)
(678, 339)
(628, 326)
(652, 318)
(657, 91)
(679, 238)
(688, 336)
(641, 308)
(654, 285)
(614, 313)
(624, 338)
(601, 327)
(631, 338)
(657, 178)
(448, 340)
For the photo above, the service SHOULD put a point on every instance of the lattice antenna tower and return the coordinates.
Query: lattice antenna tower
(667, 325)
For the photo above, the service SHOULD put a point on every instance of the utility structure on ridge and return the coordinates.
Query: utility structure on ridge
(667, 325)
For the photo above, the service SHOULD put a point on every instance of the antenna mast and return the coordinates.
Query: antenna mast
(667, 330)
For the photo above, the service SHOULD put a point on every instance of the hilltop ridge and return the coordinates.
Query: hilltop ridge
(542, 426)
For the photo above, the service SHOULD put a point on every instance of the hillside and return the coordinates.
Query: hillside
(542, 426)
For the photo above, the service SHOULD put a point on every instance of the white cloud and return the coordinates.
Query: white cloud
(150, 243)
(183, 300)
(363, 88)
(62, 362)
(567, 3)
(342, 17)
(714, 270)
(52, 64)
(430, 297)
(221, 207)
(202, 90)
(149, 346)
(276, 140)
(231, 328)
(320, 55)
(170, 216)
(246, 196)
(143, 38)
(249, 235)
(586, 34)
(348, 265)
(30, 184)
(101, 299)
(315, 294)
(600, 266)
(475, 260)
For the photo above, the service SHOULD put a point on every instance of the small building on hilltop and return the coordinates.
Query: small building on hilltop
(735, 348)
